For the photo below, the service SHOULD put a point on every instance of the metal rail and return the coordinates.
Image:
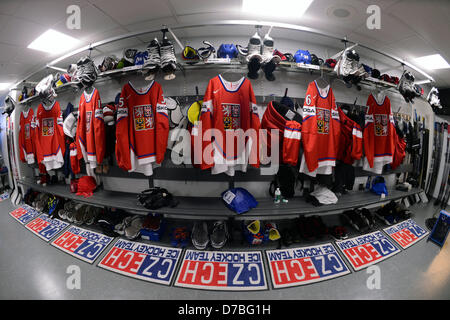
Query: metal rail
(224, 23)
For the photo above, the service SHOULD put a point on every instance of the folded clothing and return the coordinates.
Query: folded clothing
(324, 195)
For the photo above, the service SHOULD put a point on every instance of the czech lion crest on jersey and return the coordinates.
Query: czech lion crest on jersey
(381, 124)
(143, 118)
(27, 131)
(231, 116)
(48, 127)
(88, 120)
(323, 120)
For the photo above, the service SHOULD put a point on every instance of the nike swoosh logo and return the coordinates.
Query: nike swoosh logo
(216, 91)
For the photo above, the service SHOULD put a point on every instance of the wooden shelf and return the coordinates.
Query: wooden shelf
(207, 208)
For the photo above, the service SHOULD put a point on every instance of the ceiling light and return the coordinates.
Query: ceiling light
(341, 13)
(435, 61)
(284, 8)
(4, 85)
(53, 41)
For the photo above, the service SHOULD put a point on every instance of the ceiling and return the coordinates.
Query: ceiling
(409, 28)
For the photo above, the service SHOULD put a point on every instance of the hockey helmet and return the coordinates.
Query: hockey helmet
(45, 89)
(109, 63)
(330, 63)
(86, 73)
(302, 56)
(227, 51)
(175, 113)
(193, 111)
(316, 60)
(108, 113)
(367, 68)
(190, 54)
(433, 99)
(129, 55)
(62, 79)
(140, 58)
(70, 125)
(385, 78)
(9, 106)
(206, 52)
(352, 55)
(376, 73)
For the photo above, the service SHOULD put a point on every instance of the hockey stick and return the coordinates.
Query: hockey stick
(446, 171)
(433, 160)
(18, 199)
(14, 191)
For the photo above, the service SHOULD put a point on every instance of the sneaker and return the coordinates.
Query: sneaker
(133, 230)
(219, 235)
(78, 217)
(168, 59)
(119, 228)
(71, 212)
(199, 235)
(277, 53)
(179, 237)
(339, 233)
(305, 230)
(355, 220)
(369, 217)
(385, 214)
(153, 63)
(152, 223)
(319, 226)
(288, 237)
(91, 215)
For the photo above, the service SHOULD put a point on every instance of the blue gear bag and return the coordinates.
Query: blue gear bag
(379, 186)
(239, 200)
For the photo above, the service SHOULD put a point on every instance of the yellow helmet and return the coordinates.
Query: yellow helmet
(194, 111)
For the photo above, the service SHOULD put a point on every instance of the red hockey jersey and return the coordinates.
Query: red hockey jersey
(379, 135)
(320, 131)
(230, 109)
(26, 136)
(50, 145)
(90, 136)
(142, 128)
(276, 117)
(351, 140)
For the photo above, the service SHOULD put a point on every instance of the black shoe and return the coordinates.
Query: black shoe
(305, 229)
(369, 217)
(320, 229)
